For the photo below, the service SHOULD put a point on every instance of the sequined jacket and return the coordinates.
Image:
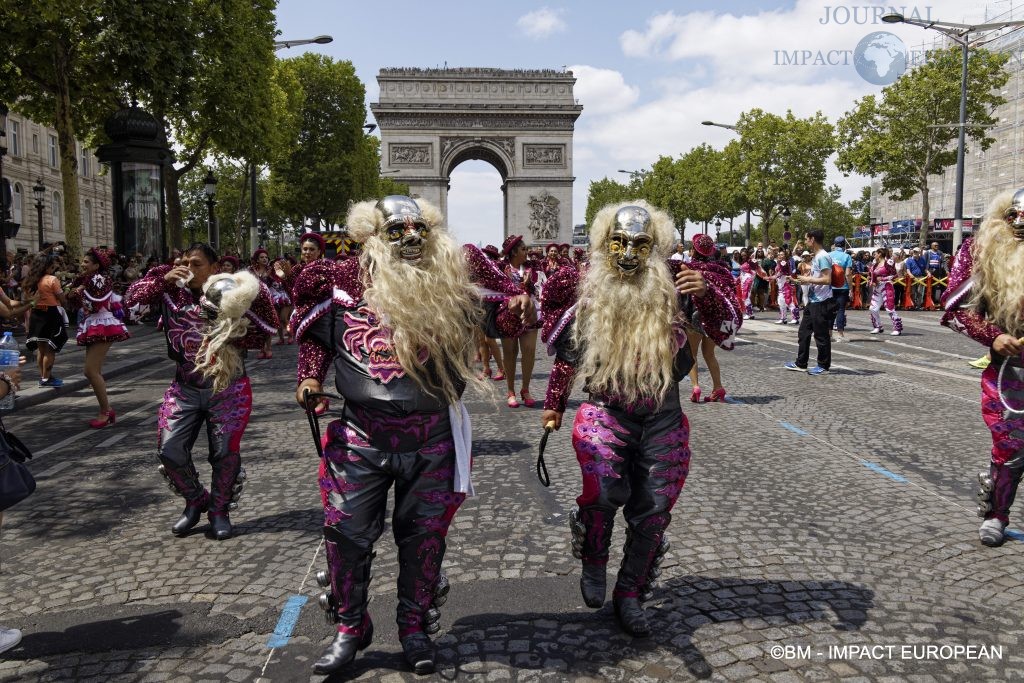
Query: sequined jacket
(717, 313)
(957, 314)
(183, 320)
(95, 295)
(334, 324)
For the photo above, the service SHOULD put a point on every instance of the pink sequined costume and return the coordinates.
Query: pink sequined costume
(392, 433)
(101, 308)
(190, 402)
(746, 284)
(787, 292)
(882, 294)
(999, 484)
(632, 456)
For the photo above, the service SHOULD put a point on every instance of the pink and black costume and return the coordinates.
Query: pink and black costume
(631, 455)
(746, 284)
(880, 277)
(787, 292)
(391, 433)
(190, 402)
(100, 306)
(999, 483)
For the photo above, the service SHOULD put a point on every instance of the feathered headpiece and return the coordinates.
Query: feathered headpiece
(226, 298)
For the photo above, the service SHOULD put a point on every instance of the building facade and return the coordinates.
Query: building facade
(33, 158)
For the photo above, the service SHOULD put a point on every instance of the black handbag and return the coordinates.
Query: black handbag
(16, 481)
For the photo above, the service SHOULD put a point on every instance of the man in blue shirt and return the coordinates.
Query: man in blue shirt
(820, 310)
(916, 266)
(841, 294)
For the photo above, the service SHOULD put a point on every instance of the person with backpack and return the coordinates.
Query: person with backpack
(881, 274)
(842, 273)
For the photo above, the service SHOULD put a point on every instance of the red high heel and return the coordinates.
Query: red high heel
(527, 399)
(264, 355)
(498, 376)
(717, 396)
(512, 402)
(100, 423)
(695, 396)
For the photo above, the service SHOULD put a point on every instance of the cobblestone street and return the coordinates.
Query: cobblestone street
(819, 512)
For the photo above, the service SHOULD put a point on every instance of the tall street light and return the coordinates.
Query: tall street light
(733, 128)
(959, 34)
(210, 190)
(278, 45)
(3, 186)
(39, 192)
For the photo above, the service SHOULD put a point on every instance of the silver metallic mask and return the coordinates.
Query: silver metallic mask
(629, 245)
(214, 294)
(1014, 215)
(404, 227)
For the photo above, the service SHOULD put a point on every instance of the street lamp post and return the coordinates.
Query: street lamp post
(39, 192)
(3, 186)
(210, 190)
(718, 229)
(733, 128)
(959, 34)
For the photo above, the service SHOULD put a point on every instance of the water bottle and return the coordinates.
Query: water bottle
(9, 356)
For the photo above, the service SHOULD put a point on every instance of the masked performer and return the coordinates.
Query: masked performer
(622, 326)
(984, 302)
(880, 276)
(196, 397)
(397, 323)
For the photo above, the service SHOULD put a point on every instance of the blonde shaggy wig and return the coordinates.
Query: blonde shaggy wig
(431, 308)
(998, 293)
(217, 357)
(625, 325)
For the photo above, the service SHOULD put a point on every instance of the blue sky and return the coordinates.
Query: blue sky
(647, 72)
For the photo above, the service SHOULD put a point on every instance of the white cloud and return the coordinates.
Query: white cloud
(542, 23)
(602, 91)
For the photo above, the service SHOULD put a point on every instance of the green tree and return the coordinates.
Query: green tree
(892, 138)
(861, 207)
(781, 161)
(329, 162)
(827, 212)
(603, 192)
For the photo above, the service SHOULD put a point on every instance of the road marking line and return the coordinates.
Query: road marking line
(309, 570)
(921, 348)
(286, 623)
(111, 441)
(1014, 534)
(55, 469)
(875, 467)
(793, 428)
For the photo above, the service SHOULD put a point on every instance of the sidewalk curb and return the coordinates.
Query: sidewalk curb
(42, 395)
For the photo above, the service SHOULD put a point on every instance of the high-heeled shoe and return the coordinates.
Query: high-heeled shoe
(499, 376)
(695, 396)
(717, 396)
(100, 423)
(528, 400)
(264, 355)
(512, 402)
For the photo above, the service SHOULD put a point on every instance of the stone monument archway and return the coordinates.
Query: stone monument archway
(519, 121)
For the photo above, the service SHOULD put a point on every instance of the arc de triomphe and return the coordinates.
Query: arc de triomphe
(519, 121)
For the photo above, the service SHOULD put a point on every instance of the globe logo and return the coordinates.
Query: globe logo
(880, 58)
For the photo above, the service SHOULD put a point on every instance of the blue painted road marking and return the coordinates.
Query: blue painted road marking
(286, 624)
(1014, 534)
(884, 472)
(736, 401)
(792, 428)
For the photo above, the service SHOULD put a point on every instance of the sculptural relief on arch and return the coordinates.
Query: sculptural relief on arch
(519, 121)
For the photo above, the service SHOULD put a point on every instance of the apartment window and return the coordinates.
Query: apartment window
(84, 162)
(15, 138)
(35, 143)
(58, 224)
(53, 151)
(87, 218)
(17, 203)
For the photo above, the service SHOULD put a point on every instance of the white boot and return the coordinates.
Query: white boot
(9, 637)
(991, 532)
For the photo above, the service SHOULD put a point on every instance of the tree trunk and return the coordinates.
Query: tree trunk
(68, 154)
(174, 222)
(922, 238)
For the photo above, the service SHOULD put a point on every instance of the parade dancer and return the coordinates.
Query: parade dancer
(787, 290)
(192, 399)
(984, 301)
(397, 324)
(273, 276)
(312, 247)
(622, 326)
(880, 277)
(100, 327)
(746, 284)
